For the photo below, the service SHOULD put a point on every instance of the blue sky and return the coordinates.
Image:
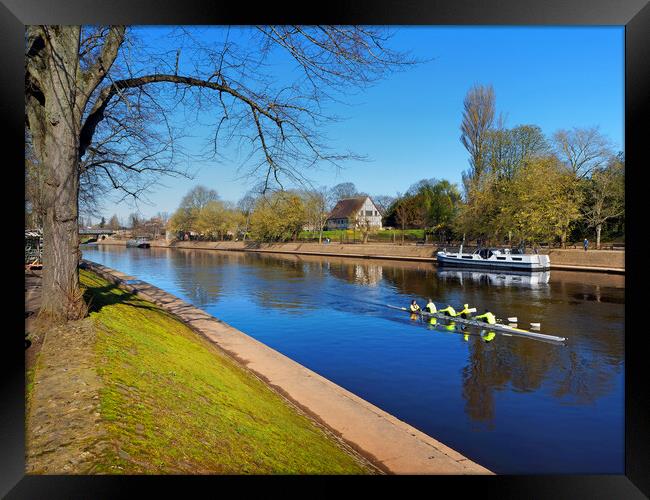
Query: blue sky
(408, 124)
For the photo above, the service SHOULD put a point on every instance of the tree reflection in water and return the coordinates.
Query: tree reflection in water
(574, 305)
(524, 365)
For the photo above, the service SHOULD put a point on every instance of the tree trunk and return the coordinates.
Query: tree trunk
(245, 230)
(61, 297)
(54, 115)
(599, 229)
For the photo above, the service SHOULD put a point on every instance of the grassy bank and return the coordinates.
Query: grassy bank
(385, 235)
(171, 402)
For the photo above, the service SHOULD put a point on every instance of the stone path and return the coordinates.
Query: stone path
(63, 430)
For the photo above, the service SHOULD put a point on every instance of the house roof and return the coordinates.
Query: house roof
(347, 207)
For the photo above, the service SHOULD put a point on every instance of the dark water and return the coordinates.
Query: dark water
(514, 405)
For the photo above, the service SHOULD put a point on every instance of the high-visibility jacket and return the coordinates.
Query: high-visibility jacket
(431, 307)
(488, 317)
(449, 311)
(465, 312)
(414, 308)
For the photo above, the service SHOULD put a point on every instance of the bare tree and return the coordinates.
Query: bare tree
(478, 117)
(383, 202)
(163, 217)
(583, 150)
(403, 212)
(198, 197)
(364, 225)
(317, 202)
(342, 191)
(135, 221)
(114, 223)
(246, 205)
(85, 86)
(605, 195)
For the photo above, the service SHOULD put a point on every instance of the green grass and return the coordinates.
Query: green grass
(382, 235)
(30, 375)
(173, 403)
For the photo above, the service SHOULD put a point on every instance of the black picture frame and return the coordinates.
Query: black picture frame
(633, 14)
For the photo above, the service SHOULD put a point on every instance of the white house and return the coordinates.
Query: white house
(354, 212)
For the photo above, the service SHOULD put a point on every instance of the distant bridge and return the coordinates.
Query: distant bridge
(95, 232)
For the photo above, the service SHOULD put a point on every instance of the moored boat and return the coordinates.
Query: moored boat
(494, 258)
(138, 243)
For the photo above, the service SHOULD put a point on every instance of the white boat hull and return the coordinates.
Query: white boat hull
(521, 262)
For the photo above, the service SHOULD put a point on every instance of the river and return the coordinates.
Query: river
(514, 405)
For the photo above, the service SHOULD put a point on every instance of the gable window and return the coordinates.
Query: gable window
(368, 213)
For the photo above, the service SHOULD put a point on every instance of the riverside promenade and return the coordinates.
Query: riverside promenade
(606, 261)
(389, 443)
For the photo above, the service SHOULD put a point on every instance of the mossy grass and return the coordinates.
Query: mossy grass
(174, 403)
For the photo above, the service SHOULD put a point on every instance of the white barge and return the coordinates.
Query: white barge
(138, 243)
(495, 258)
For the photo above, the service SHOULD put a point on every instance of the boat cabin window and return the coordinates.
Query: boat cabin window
(485, 253)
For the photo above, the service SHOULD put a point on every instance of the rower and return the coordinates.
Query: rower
(449, 311)
(414, 307)
(487, 316)
(465, 312)
(430, 307)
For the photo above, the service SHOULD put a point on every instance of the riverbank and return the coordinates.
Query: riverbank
(391, 444)
(608, 261)
(131, 389)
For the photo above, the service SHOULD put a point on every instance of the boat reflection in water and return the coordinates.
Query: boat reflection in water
(533, 279)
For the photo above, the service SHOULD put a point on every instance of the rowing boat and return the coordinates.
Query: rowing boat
(498, 327)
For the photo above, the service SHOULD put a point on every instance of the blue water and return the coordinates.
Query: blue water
(514, 405)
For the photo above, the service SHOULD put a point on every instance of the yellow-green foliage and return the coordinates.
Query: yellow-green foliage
(279, 217)
(544, 200)
(174, 403)
(537, 203)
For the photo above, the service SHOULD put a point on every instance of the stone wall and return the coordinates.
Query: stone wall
(590, 260)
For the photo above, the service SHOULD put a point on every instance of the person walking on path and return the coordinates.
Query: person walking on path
(586, 244)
